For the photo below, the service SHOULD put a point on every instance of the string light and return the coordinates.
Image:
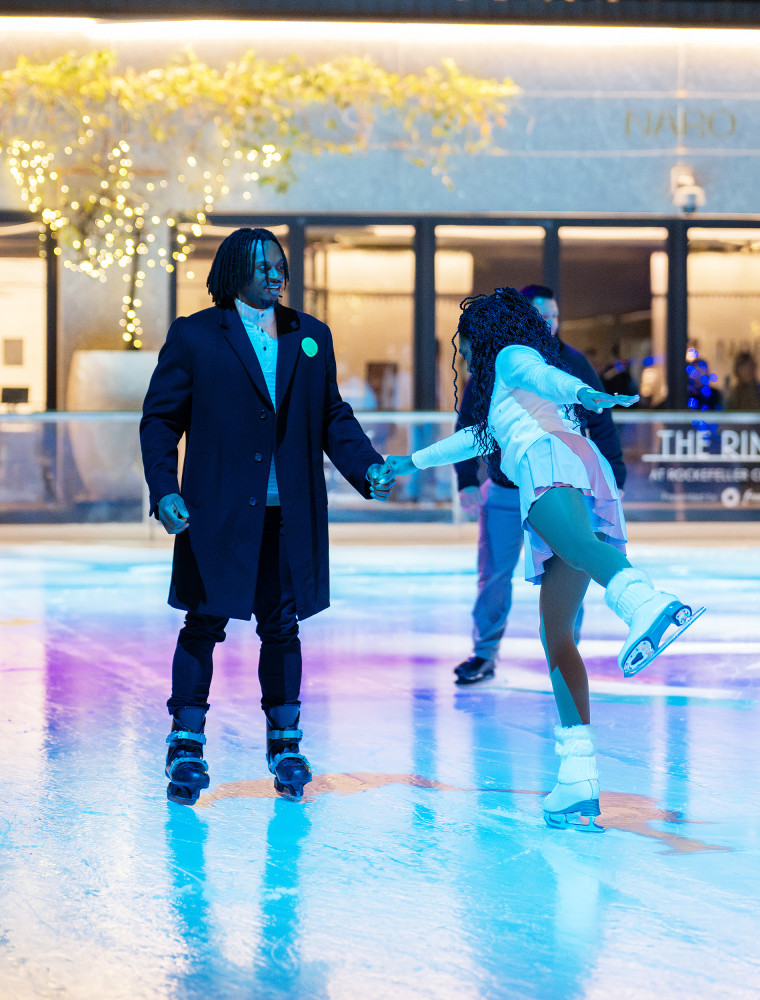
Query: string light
(99, 179)
(103, 229)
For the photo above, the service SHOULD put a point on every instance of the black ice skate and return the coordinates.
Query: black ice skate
(474, 669)
(186, 769)
(290, 768)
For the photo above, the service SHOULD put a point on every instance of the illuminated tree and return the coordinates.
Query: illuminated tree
(104, 157)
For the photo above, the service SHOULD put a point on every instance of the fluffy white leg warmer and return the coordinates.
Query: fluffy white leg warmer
(627, 591)
(576, 748)
(577, 790)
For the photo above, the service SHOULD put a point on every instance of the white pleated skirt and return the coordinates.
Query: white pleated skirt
(568, 459)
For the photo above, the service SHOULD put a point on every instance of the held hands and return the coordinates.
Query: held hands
(381, 480)
(172, 513)
(400, 465)
(470, 501)
(590, 399)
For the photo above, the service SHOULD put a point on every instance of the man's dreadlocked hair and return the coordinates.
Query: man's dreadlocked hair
(233, 264)
(491, 323)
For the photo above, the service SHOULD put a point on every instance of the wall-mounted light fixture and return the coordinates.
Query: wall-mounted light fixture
(684, 190)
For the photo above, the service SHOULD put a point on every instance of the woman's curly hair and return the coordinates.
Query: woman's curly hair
(491, 323)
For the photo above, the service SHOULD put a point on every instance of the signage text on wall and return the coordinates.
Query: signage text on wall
(680, 123)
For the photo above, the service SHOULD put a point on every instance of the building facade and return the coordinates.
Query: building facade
(624, 176)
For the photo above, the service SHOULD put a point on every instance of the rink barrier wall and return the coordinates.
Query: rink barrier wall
(75, 467)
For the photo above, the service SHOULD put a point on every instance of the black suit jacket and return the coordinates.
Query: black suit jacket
(208, 385)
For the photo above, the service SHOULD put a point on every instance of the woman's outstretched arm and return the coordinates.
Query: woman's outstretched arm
(454, 448)
(522, 367)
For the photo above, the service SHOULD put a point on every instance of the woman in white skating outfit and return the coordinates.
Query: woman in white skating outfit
(527, 406)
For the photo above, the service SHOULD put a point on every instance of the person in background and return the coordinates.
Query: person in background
(497, 506)
(745, 393)
(616, 377)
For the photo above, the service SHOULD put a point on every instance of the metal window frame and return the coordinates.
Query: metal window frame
(676, 247)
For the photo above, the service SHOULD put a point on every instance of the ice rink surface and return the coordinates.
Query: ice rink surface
(419, 866)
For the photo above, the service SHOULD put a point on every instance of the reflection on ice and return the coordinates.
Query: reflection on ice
(418, 865)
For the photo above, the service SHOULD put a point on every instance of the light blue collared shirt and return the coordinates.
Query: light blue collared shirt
(266, 352)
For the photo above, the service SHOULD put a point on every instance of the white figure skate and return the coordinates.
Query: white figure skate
(576, 793)
(650, 623)
(649, 613)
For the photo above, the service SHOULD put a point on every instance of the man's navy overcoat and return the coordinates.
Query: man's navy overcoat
(208, 385)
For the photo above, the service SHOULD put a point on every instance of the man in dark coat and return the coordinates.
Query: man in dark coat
(252, 386)
(497, 504)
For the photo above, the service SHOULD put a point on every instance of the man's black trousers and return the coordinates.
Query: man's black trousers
(274, 609)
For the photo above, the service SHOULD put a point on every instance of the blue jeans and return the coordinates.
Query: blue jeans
(500, 541)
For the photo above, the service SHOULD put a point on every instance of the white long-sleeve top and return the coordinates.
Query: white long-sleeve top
(525, 403)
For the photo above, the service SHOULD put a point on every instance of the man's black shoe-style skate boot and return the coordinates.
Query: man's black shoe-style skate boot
(290, 768)
(474, 669)
(186, 769)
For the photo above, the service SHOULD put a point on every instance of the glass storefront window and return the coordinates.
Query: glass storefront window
(723, 273)
(360, 281)
(470, 260)
(192, 294)
(23, 297)
(613, 288)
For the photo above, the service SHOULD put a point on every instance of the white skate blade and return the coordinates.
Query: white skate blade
(630, 671)
(561, 821)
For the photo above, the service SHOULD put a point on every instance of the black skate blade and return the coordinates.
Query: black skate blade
(198, 780)
(473, 675)
(464, 679)
(292, 786)
(294, 793)
(181, 795)
(630, 671)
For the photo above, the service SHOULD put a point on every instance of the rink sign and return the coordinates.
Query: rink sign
(685, 469)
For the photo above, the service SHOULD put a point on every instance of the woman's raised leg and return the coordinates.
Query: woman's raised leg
(561, 518)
